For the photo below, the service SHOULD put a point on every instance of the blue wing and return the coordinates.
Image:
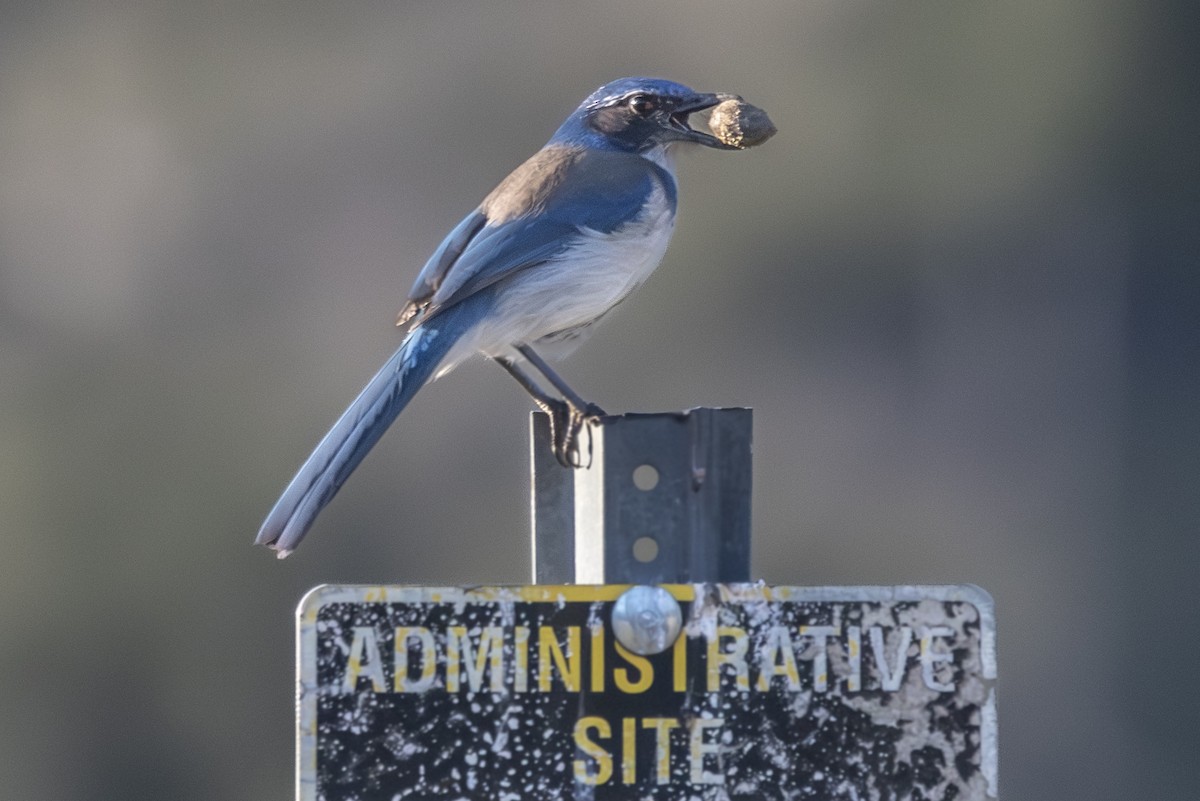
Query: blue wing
(533, 216)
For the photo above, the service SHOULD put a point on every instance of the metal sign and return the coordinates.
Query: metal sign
(702, 691)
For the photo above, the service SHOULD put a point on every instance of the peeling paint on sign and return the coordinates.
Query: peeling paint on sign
(850, 693)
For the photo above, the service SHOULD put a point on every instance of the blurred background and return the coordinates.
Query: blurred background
(958, 288)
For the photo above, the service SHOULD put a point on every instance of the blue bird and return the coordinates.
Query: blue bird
(560, 242)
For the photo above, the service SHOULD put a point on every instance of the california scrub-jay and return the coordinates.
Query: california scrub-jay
(560, 242)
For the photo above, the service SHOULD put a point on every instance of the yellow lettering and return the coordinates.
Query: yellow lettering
(641, 664)
(364, 656)
(821, 659)
(599, 756)
(854, 657)
(459, 649)
(550, 654)
(679, 660)
(598, 658)
(424, 639)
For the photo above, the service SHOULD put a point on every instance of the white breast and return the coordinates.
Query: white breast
(558, 301)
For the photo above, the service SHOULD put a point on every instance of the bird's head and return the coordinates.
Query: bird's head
(639, 114)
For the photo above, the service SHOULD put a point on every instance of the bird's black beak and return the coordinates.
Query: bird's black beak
(678, 121)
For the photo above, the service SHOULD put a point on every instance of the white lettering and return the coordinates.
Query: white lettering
(735, 658)
(930, 657)
(778, 658)
(700, 749)
(891, 678)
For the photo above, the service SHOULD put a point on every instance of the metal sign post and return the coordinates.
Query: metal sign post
(661, 498)
(662, 674)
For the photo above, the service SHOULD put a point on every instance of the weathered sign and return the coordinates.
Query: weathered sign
(532, 693)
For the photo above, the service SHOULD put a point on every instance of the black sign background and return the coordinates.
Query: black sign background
(774, 744)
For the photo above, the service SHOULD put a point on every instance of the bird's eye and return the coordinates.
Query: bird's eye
(642, 104)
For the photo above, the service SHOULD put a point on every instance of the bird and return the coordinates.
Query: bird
(547, 254)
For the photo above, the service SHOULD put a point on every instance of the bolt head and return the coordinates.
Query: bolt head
(647, 620)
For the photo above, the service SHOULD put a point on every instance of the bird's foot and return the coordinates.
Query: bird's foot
(566, 424)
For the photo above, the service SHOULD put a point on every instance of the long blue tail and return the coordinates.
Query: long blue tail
(361, 426)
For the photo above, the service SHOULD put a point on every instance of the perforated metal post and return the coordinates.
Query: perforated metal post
(662, 498)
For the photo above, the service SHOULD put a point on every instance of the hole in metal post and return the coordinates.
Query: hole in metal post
(645, 477)
(645, 549)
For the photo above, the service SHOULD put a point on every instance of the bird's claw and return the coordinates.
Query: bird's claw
(566, 423)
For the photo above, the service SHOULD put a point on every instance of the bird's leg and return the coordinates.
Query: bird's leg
(567, 415)
(563, 426)
(581, 410)
(572, 397)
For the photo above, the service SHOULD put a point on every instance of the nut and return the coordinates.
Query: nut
(739, 124)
